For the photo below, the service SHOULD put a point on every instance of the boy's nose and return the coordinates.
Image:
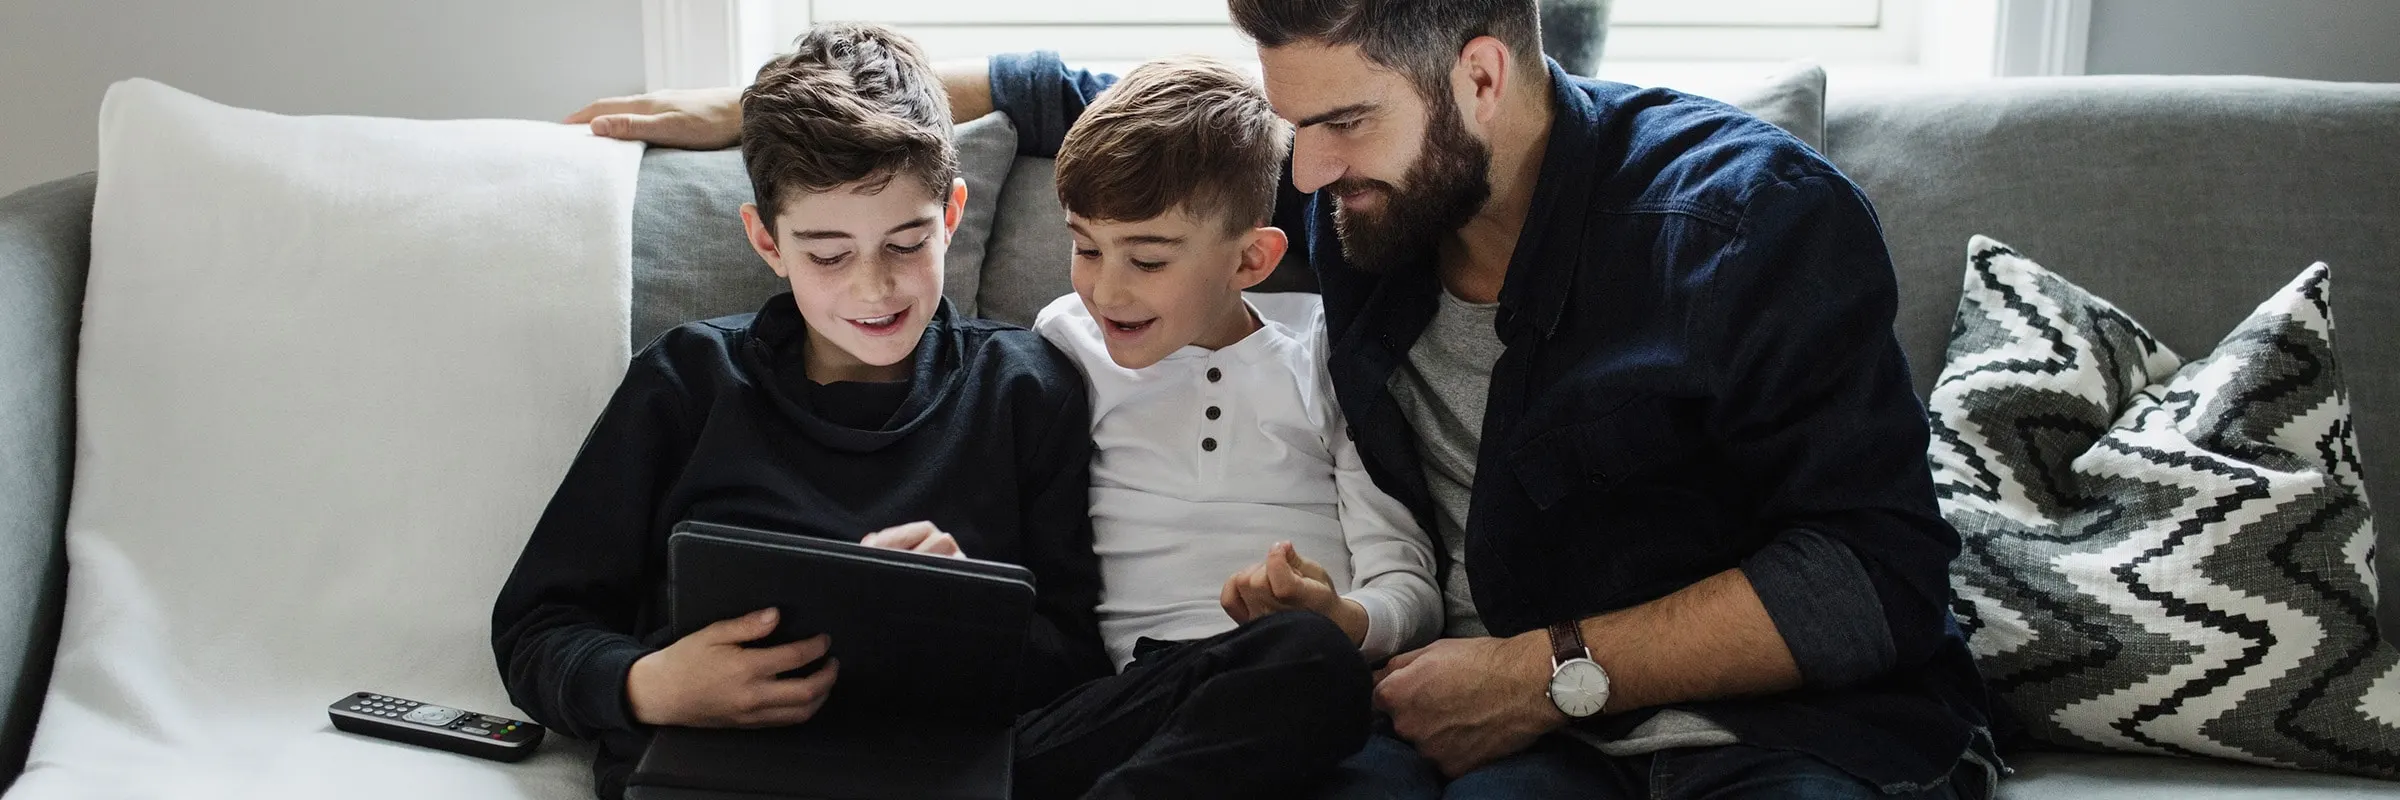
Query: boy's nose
(1108, 292)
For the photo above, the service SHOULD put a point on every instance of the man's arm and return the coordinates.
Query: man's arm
(711, 119)
(1816, 407)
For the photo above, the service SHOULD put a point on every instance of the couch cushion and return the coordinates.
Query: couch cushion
(1027, 267)
(330, 370)
(2085, 776)
(2162, 557)
(2183, 200)
(45, 235)
(691, 259)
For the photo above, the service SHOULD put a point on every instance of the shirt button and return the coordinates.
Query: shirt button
(1215, 375)
(1208, 445)
(1214, 412)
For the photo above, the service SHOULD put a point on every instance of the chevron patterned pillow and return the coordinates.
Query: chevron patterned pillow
(2163, 557)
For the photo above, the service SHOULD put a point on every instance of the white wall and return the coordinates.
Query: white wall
(438, 59)
(2339, 40)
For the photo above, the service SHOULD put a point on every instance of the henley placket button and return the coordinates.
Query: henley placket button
(1209, 445)
(1214, 412)
(1215, 375)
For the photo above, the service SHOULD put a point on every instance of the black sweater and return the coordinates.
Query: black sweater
(712, 423)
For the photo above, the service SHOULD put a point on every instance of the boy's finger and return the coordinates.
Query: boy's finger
(787, 657)
(901, 537)
(1307, 569)
(1230, 598)
(739, 629)
(1282, 581)
(1260, 599)
(940, 544)
(805, 692)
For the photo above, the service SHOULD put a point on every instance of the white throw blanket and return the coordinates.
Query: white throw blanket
(331, 370)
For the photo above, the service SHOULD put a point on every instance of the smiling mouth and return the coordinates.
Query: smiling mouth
(877, 326)
(1121, 328)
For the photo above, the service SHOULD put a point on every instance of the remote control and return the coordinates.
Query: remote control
(411, 722)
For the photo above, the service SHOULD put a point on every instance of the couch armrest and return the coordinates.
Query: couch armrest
(45, 247)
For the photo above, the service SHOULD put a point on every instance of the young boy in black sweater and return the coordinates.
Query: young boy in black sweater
(859, 405)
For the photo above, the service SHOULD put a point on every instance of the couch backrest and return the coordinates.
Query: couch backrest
(45, 243)
(2184, 200)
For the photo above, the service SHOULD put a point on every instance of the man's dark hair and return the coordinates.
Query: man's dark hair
(1417, 38)
(851, 102)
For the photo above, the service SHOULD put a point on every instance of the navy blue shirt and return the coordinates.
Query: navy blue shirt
(1700, 374)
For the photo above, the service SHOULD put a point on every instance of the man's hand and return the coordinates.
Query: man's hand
(692, 119)
(1285, 581)
(920, 537)
(1468, 702)
(709, 680)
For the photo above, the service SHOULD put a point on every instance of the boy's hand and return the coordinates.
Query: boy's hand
(1285, 581)
(692, 119)
(709, 680)
(920, 537)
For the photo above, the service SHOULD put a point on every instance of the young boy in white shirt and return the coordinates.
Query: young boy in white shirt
(1218, 447)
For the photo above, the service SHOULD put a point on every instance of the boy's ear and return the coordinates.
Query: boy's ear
(1262, 251)
(956, 211)
(762, 239)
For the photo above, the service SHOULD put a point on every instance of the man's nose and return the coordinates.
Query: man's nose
(1314, 164)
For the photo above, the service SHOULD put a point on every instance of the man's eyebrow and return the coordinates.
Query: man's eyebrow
(1351, 110)
(914, 223)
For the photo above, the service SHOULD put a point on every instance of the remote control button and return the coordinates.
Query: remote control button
(492, 720)
(436, 716)
(475, 729)
(379, 697)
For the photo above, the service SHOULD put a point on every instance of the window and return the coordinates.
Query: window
(712, 42)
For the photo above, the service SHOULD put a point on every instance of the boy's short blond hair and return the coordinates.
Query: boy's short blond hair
(1187, 132)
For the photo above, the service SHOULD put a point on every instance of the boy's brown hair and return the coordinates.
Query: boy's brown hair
(851, 102)
(1182, 132)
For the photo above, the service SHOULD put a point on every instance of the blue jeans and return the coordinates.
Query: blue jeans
(1561, 767)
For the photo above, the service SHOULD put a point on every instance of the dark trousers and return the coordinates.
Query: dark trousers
(1559, 767)
(1264, 710)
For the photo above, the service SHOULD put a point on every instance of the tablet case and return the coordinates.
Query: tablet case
(931, 648)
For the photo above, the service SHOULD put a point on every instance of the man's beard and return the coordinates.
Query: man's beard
(1447, 186)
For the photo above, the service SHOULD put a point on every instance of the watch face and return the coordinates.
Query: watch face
(1579, 688)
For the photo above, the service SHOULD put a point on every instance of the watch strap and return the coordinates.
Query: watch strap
(1566, 643)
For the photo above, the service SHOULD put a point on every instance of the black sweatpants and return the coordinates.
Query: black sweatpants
(1265, 710)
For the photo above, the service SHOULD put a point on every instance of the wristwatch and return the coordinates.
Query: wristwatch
(1578, 686)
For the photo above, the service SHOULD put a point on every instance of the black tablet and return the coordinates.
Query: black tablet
(917, 635)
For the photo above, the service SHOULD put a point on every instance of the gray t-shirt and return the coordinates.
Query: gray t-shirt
(1442, 392)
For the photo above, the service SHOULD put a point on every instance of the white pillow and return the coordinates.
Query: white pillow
(331, 370)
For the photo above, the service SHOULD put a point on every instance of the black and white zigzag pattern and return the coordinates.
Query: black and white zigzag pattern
(2163, 557)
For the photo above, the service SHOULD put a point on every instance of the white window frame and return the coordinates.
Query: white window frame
(711, 43)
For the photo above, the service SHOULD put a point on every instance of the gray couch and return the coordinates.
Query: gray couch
(2185, 200)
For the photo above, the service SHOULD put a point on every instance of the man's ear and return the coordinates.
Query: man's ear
(1481, 79)
(1260, 255)
(956, 211)
(762, 239)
